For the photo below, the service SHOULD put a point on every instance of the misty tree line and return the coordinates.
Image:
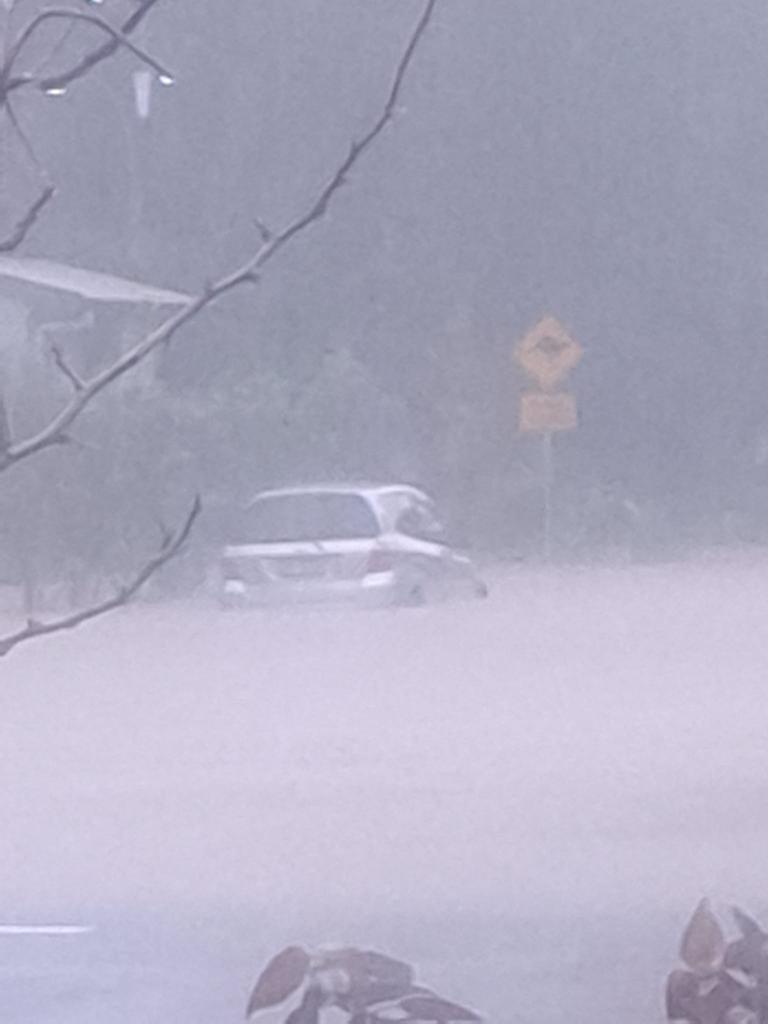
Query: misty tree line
(140, 455)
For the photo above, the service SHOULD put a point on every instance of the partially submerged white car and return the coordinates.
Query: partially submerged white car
(367, 545)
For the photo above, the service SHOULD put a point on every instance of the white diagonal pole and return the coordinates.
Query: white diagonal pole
(45, 929)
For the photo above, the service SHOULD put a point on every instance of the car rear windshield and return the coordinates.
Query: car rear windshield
(309, 517)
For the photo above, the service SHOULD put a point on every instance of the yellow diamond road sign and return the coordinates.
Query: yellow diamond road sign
(548, 353)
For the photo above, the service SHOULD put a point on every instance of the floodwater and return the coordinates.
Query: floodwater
(525, 797)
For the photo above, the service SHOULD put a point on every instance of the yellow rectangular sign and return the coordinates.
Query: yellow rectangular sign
(547, 412)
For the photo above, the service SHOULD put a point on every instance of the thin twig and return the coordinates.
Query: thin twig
(26, 143)
(170, 547)
(6, 436)
(100, 53)
(264, 231)
(24, 226)
(55, 50)
(357, 149)
(245, 274)
(72, 376)
(117, 36)
(56, 432)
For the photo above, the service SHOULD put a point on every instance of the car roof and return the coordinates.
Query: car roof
(369, 490)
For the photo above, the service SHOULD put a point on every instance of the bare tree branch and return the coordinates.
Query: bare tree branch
(47, 192)
(26, 143)
(5, 426)
(117, 37)
(84, 391)
(101, 53)
(55, 50)
(264, 231)
(24, 226)
(246, 273)
(8, 83)
(358, 148)
(170, 547)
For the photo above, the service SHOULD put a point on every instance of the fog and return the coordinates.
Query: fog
(319, 734)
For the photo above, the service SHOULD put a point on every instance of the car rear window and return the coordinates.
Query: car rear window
(309, 517)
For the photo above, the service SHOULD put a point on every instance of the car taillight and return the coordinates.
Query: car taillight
(380, 561)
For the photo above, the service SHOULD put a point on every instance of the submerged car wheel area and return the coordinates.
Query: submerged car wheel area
(368, 546)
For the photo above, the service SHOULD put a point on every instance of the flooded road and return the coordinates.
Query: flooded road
(524, 796)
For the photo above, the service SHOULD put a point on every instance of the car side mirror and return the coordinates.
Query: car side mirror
(412, 523)
(409, 522)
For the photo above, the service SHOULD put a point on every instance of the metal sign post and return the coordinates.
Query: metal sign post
(548, 474)
(548, 354)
